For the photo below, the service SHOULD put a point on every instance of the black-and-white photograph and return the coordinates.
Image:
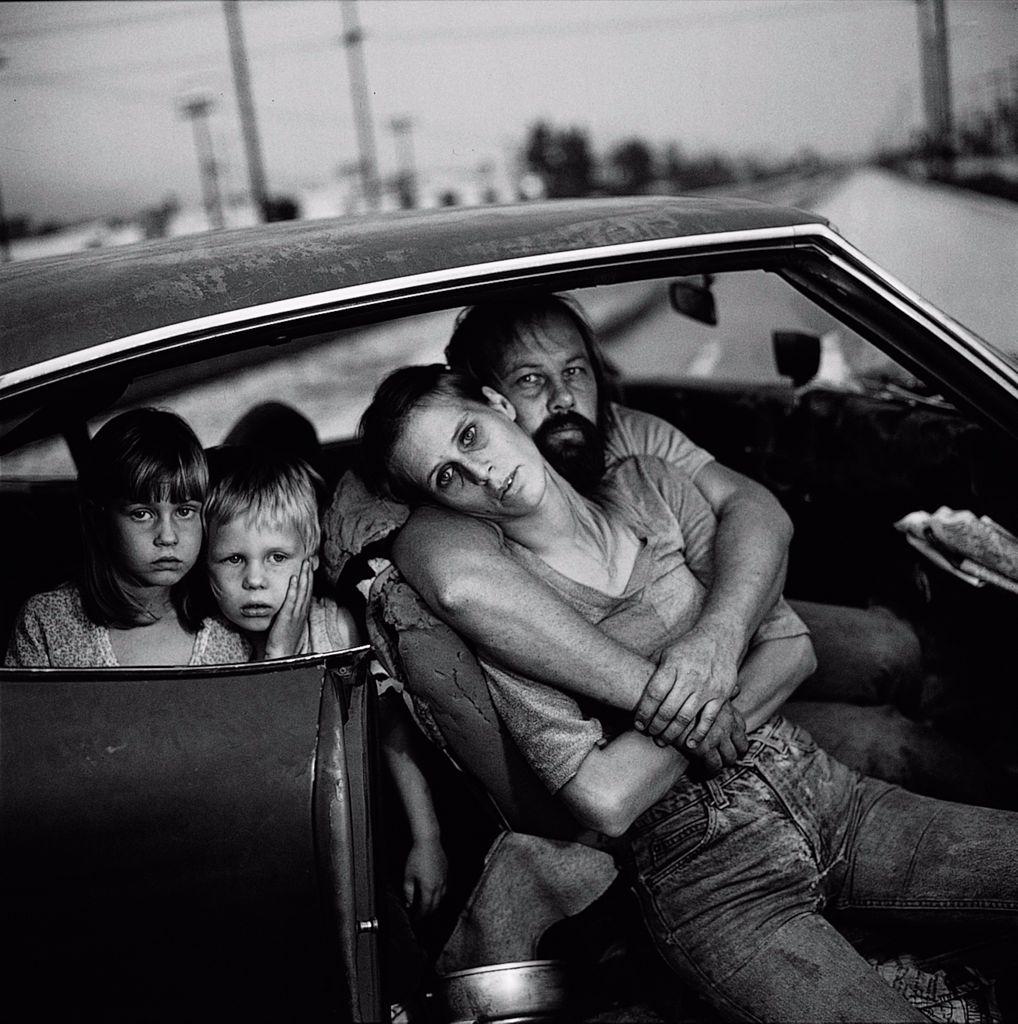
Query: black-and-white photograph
(513, 511)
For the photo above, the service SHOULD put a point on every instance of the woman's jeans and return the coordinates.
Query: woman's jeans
(735, 874)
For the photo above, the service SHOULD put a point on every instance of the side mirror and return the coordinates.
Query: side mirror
(692, 296)
(797, 355)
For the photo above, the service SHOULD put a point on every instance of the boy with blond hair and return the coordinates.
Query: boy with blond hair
(263, 534)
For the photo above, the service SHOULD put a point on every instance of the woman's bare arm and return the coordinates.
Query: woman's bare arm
(510, 616)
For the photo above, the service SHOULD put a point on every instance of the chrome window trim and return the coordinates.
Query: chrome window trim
(351, 658)
(266, 314)
(953, 334)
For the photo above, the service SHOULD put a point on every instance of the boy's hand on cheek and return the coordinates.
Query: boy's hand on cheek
(287, 627)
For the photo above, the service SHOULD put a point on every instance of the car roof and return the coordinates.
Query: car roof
(66, 304)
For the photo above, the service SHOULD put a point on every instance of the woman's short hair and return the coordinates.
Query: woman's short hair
(144, 455)
(381, 426)
(266, 486)
(484, 333)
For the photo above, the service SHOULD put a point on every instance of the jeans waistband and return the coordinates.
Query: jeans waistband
(773, 736)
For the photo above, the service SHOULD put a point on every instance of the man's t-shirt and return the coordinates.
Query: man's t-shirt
(640, 433)
(661, 601)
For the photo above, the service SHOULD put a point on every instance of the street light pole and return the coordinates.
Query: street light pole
(936, 82)
(352, 38)
(402, 128)
(196, 110)
(245, 106)
(5, 243)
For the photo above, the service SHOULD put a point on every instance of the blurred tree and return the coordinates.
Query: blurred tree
(672, 164)
(562, 159)
(19, 226)
(631, 167)
(155, 220)
(709, 171)
(281, 208)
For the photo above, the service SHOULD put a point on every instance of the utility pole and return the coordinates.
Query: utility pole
(245, 105)
(936, 83)
(402, 128)
(5, 244)
(352, 39)
(196, 110)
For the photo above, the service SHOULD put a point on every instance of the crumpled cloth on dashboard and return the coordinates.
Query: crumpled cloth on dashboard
(528, 883)
(973, 548)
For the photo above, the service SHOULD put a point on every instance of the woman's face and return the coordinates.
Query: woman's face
(472, 457)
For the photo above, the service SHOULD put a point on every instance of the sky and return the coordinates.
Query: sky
(89, 91)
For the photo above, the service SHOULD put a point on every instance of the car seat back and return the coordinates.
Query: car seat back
(451, 697)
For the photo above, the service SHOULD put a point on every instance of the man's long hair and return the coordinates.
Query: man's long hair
(483, 333)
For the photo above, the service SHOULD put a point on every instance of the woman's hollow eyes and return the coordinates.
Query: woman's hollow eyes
(444, 477)
(468, 436)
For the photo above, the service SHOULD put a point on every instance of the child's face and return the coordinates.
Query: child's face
(155, 543)
(250, 565)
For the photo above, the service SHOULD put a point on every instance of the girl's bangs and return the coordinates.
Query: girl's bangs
(154, 479)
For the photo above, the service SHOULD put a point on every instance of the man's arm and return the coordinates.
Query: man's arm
(698, 673)
(511, 617)
(616, 783)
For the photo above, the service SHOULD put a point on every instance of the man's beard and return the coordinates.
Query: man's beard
(579, 458)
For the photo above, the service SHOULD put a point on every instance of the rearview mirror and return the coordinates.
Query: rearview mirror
(797, 355)
(692, 296)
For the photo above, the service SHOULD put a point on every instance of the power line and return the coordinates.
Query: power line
(611, 26)
(100, 24)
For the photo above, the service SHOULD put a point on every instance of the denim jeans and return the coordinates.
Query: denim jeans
(737, 875)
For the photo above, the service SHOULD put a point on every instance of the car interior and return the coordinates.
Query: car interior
(848, 436)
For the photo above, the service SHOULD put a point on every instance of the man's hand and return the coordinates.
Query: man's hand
(288, 624)
(725, 742)
(694, 678)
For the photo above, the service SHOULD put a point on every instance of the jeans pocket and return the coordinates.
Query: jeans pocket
(676, 839)
(794, 738)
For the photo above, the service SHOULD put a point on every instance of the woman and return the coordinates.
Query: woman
(732, 872)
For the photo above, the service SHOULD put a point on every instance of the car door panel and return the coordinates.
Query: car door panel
(170, 817)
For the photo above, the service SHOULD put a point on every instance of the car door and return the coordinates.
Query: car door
(190, 842)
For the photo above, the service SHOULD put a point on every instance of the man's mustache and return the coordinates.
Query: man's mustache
(566, 420)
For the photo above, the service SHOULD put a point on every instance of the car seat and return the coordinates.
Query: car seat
(536, 871)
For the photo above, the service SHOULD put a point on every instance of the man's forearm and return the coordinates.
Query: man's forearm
(750, 560)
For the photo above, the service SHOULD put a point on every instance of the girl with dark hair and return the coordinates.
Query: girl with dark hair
(141, 494)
